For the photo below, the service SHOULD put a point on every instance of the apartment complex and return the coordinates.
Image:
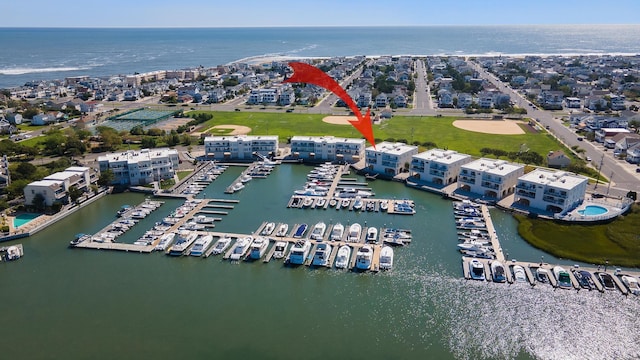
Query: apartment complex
(139, 167)
(240, 147)
(490, 177)
(388, 158)
(327, 148)
(548, 190)
(438, 166)
(55, 187)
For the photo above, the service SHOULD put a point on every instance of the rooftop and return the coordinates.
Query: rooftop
(392, 148)
(441, 156)
(557, 179)
(493, 166)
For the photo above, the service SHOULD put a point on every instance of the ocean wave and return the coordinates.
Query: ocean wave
(22, 71)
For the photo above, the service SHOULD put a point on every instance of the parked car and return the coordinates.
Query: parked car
(580, 138)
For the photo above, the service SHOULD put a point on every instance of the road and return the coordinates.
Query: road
(621, 173)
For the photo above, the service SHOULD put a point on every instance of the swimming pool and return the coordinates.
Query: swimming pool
(593, 210)
(23, 219)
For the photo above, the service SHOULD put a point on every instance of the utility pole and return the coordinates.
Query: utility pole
(609, 185)
(599, 168)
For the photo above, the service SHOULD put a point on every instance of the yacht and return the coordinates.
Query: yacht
(201, 245)
(631, 283)
(519, 274)
(240, 247)
(300, 231)
(165, 241)
(497, 272)
(476, 246)
(318, 231)
(221, 245)
(343, 256)
(363, 257)
(353, 192)
(542, 275)
(354, 232)
(372, 234)
(202, 219)
(268, 229)
(282, 230)
(280, 249)
(185, 239)
(321, 256)
(258, 247)
(310, 192)
(476, 270)
(562, 276)
(299, 252)
(245, 178)
(79, 238)
(386, 258)
(337, 232)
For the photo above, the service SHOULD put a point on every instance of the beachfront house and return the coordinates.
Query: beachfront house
(327, 148)
(389, 159)
(550, 191)
(438, 166)
(140, 167)
(240, 147)
(489, 178)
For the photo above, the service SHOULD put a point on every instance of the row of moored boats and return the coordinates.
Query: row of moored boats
(473, 238)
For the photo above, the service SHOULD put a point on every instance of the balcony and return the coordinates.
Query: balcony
(490, 185)
(467, 180)
(552, 192)
(529, 194)
(492, 179)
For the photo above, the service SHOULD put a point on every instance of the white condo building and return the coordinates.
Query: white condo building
(139, 167)
(389, 158)
(490, 177)
(240, 147)
(55, 187)
(438, 166)
(327, 148)
(551, 190)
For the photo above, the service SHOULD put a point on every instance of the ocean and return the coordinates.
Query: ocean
(55, 53)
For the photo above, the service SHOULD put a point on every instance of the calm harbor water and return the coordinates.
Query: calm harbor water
(77, 304)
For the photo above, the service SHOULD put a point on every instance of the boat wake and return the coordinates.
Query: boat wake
(22, 71)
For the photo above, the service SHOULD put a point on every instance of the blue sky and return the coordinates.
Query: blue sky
(243, 13)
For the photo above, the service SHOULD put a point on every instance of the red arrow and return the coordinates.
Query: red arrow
(306, 73)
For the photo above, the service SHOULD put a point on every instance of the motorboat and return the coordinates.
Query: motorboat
(307, 202)
(310, 192)
(258, 247)
(364, 256)
(542, 275)
(79, 238)
(386, 258)
(476, 270)
(184, 239)
(245, 178)
(354, 232)
(192, 225)
(631, 283)
(165, 241)
(562, 277)
(372, 234)
(343, 256)
(268, 229)
(13, 253)
(280, 249)
(353, 192)
(201, 245)
(139, 214)
(237, 187)
(519, 274)
(333, 202)
(584, 279)
(318, 231)
(358, 203)
(321, 256)
(403, 207)
(299, 252)
(123, 210)
(221, 245)
(606, 280)
(370, 206)
(344, 203)
(300, 230)
(241, 247)
(384, 205)
(321, 202)
(337, 232)
(203, 219)
(282, 230)
(471, 225)
(473, 246)
(497, 272)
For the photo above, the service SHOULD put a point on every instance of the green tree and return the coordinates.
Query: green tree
(38, 202)
(15, 189)
(74, 193)
(25, 171)
(106, 178)
(148, 142)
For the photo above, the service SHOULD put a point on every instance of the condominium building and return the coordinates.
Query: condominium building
(240, 147)
(327, 148)
(490, 177)
(389, 158)
(438, 166)
(549, 190)
(55, 187)
(139, 167)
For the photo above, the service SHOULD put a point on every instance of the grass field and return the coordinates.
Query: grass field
(617, 242)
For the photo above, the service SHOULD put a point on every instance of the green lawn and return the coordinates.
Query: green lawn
(183, 174)
(617, 241)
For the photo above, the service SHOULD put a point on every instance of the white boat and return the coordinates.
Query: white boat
(345, 203)
(631, 283)
(358, 203)
(241, 247)
(372, 234)
(498, 272)
(310, 192)
(321, 256)
(245, 178)
(354, 232)
(476, 270)
(258, 247)
(542, 275)
(192, 225)
(202, 219)
(282, 230)
(321, 202)
(562, 277)
(280, 249)
(237, 186)
(184, 239)
(299, 252)
(384, 205)
(386, 258)
(221, 245)
(519, 274)
(308, 201)
(337, 232)
(201, 245)
(268, 229)
(13, 253)
(472, 246)
(353, 192)
(363, 257)
(333, 202)
(318, 231)
(139, 214)
(343, 256)
(165, 241)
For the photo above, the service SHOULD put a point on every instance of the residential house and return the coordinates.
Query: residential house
(633, 154)
(438, 166)
(623, 142)
(617, 102)
(573, 102)
(445, 98)
(382, 100)
(558, 159)
(551, 100)
(464, 100)
(604, 133)
(389, 159)
(551, 191)
(489, 177)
